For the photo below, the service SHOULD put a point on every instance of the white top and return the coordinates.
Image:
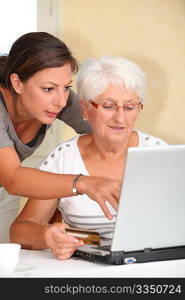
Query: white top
(80, 211)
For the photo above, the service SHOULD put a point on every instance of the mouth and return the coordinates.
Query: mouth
(51, 114)
(117, 128)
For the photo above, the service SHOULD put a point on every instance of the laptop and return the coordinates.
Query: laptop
(150, 223)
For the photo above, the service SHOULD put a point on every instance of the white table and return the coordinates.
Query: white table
(42, 263)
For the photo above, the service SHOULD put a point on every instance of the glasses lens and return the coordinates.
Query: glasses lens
(112, 107)
(109, 106)
(130, 107)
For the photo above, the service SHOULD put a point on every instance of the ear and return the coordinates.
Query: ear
(16, 83)
(84, 107)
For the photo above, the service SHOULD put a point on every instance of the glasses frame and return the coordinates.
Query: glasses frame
(139, 104)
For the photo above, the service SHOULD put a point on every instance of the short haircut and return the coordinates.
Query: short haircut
(96, 74)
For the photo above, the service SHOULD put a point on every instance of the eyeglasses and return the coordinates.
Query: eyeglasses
(113, 107)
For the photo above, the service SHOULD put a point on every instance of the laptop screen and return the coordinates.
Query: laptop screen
(152, 202)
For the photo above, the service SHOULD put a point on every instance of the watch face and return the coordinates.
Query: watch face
(74, 190)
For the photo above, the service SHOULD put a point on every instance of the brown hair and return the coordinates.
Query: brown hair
(31, 53)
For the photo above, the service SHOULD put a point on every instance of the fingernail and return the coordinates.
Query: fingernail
(76, 241)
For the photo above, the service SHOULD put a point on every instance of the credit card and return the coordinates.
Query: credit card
(89, 237)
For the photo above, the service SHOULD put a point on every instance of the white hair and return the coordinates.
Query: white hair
(96, 74)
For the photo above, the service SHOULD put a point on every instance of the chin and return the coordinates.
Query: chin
(47, 121)
(119, 139)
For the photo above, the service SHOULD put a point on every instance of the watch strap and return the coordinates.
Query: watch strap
(74, 188)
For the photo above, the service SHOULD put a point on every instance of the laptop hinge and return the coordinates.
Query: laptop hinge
(146, 250)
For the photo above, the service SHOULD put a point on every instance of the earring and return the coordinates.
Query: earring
(84, 118)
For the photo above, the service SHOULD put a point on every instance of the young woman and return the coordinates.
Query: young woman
(35, 81)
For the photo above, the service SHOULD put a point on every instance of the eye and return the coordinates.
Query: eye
(129, 107)
(66, 88)
(48, 89)
(108, 106)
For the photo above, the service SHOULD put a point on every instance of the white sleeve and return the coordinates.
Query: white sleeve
(146, 140)
(54, 161)
(63, 159)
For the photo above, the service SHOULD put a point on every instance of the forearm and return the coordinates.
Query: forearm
(37, 184)
(30, 235)
(41, 185)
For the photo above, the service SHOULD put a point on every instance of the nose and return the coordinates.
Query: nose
(60, 99)
(119, 115)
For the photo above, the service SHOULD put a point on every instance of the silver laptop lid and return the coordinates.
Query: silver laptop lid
(152, 203)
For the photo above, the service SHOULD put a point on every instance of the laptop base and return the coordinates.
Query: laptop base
(121, 257)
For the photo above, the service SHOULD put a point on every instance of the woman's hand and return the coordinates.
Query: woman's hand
(101, 190)
(61, 245)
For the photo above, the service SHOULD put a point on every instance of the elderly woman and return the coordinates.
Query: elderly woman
(112, 91)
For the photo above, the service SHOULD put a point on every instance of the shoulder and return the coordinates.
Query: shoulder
(147, 140)
(4, 116)
(5, 140)
(66, 145)
(2, 108)
(63, 151)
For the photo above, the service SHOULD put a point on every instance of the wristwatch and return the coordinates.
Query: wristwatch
(75, 179)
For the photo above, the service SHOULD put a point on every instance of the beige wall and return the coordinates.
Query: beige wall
(149, 32)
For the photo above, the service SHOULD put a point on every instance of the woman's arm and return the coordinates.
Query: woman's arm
(29, 227)
(32, 231)
(37, 184)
